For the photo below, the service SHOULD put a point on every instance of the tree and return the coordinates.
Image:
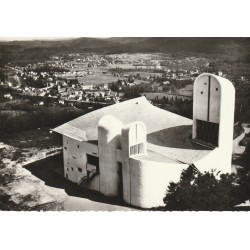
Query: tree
(2, 76)
(244, 174)
(207, 191)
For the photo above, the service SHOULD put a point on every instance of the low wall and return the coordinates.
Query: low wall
(149, 181)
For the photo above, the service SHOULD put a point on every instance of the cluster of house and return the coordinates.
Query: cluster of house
(147, 64)
(72, 74)
(35, 75)
(114, 59)
(62, 91)
(92, 60)
(91, 95)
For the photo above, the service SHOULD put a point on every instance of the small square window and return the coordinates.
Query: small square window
(65, 148)
(79, 170)
(78, 146)
(72, 169)
(216, 89)
(201, 92)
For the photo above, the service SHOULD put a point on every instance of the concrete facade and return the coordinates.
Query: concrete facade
(109, 139)
(133, 145)
(75, 154)
(134, 150)
(214, 100)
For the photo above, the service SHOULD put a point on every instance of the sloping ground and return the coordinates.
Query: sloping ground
(28, 181)
(20, 190)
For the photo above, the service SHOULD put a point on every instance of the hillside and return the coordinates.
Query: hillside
(141, 44)
(42, 49)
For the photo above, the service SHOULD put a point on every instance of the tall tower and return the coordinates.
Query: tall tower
(134, 143)
(213, 114)
(109, 140)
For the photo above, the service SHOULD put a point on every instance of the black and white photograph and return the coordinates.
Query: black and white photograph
(124, 125)
(127, 123)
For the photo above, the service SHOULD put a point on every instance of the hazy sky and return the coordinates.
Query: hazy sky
(31, 38)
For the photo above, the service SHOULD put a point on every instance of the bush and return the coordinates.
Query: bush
(207, 191)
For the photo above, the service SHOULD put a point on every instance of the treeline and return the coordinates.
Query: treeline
(242, 58)
(3, 77)
(50, 69)
(31, 82)
(132, 91)
(184, 109)
(10, 122)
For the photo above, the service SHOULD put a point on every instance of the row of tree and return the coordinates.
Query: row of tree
(11, 122)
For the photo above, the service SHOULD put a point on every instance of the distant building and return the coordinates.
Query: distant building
(220, 73)
(134, 149)
(87, 87)
(61, 102)
(8, 96)
(166, 83)
(104, 86)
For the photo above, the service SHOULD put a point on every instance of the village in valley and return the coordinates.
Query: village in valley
(90, 78)
(107, 79)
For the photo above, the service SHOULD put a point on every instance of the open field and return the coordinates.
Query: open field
(145, 56)
(97, 79)
(123, 66)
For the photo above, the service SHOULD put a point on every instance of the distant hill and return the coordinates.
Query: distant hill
(44, 48)
(199, 45)
(140, 44)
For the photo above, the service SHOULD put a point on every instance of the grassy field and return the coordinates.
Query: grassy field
(96, 79)
(145, 56)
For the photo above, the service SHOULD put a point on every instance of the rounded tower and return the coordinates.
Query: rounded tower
(109, 140)
(213, 115)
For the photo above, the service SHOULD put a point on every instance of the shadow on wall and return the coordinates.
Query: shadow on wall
(174, 137)
(50, 170)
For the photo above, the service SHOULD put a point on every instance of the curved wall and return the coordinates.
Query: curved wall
(149, 181)
(109, 139)
(132, 134)
(214, 100)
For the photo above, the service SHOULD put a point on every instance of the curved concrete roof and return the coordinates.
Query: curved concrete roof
(138, 109)
(168, 134)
